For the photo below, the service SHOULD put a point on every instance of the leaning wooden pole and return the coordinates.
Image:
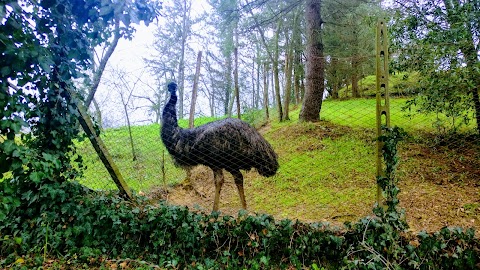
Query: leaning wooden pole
(101, 149)
(383, 102)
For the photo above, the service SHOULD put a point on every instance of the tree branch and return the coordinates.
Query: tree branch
(103, 63)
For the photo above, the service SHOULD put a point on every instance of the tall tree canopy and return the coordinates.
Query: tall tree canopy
(173, 49)
(440, 40)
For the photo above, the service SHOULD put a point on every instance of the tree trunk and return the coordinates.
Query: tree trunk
(195, 90)
(274, 60)
(181, 66)
(302, 87)
(272, 83)
(354, 77)
(211, 94)
(257, 93)
(276, 74)
(297, 48)
(288, 80)
(254, 92)
(315, 75)
(228, 92)
(336, 81)
(125, 108)
(237, 88)
(265, 90)
(98, 113)
(97, 76)
(299, 75)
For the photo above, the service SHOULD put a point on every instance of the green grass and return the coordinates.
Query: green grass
(400, 84)
(332, 178)
(145, 172)
(362, 113)
(140, 174)
(327, 169)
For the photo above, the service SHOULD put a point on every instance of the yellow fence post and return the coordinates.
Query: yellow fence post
(383, 103)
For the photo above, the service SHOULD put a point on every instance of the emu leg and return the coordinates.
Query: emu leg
(218, 178)
(238, 178)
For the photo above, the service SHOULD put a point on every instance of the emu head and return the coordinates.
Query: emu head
(172, 87)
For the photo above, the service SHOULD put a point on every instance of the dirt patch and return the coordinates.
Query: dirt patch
(440, 186)
(200, 195)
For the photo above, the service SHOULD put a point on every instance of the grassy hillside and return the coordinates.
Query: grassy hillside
(400, 84)
(327, 169)
(146, 171)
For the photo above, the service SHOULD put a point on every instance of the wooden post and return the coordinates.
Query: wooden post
(101, 149)
(164, 175)
(195, 90)
(383, 102)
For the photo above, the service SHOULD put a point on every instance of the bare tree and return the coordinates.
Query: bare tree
(172, 50)
(125, 86)
(155, 99)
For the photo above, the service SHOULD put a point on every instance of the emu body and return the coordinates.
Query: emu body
(229, 144)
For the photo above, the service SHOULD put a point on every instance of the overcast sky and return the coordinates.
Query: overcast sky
(128, 56)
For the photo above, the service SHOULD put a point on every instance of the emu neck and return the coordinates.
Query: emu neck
(169, 115)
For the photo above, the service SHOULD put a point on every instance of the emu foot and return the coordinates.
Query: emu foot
(187, 185)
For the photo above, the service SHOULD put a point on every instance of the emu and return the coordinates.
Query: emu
(229, 144)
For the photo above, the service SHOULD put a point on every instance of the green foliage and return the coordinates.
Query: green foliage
(44, 214)
(401, 84)
(438, 42)
(70, 221)
(65, 219)
(45, 45)
(87, 225)
(348, 42)
(380, 244)
(388, 182)
(253, 116)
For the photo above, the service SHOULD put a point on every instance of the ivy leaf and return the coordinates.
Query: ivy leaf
(45, 63)
(5, 71)
(18, 240)
(36, 177)
(105, 10)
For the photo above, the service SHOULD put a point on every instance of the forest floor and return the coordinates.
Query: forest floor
(439, 183)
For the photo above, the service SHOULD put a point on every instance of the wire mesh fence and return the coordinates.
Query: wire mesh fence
(327, 169)
(142, 159)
